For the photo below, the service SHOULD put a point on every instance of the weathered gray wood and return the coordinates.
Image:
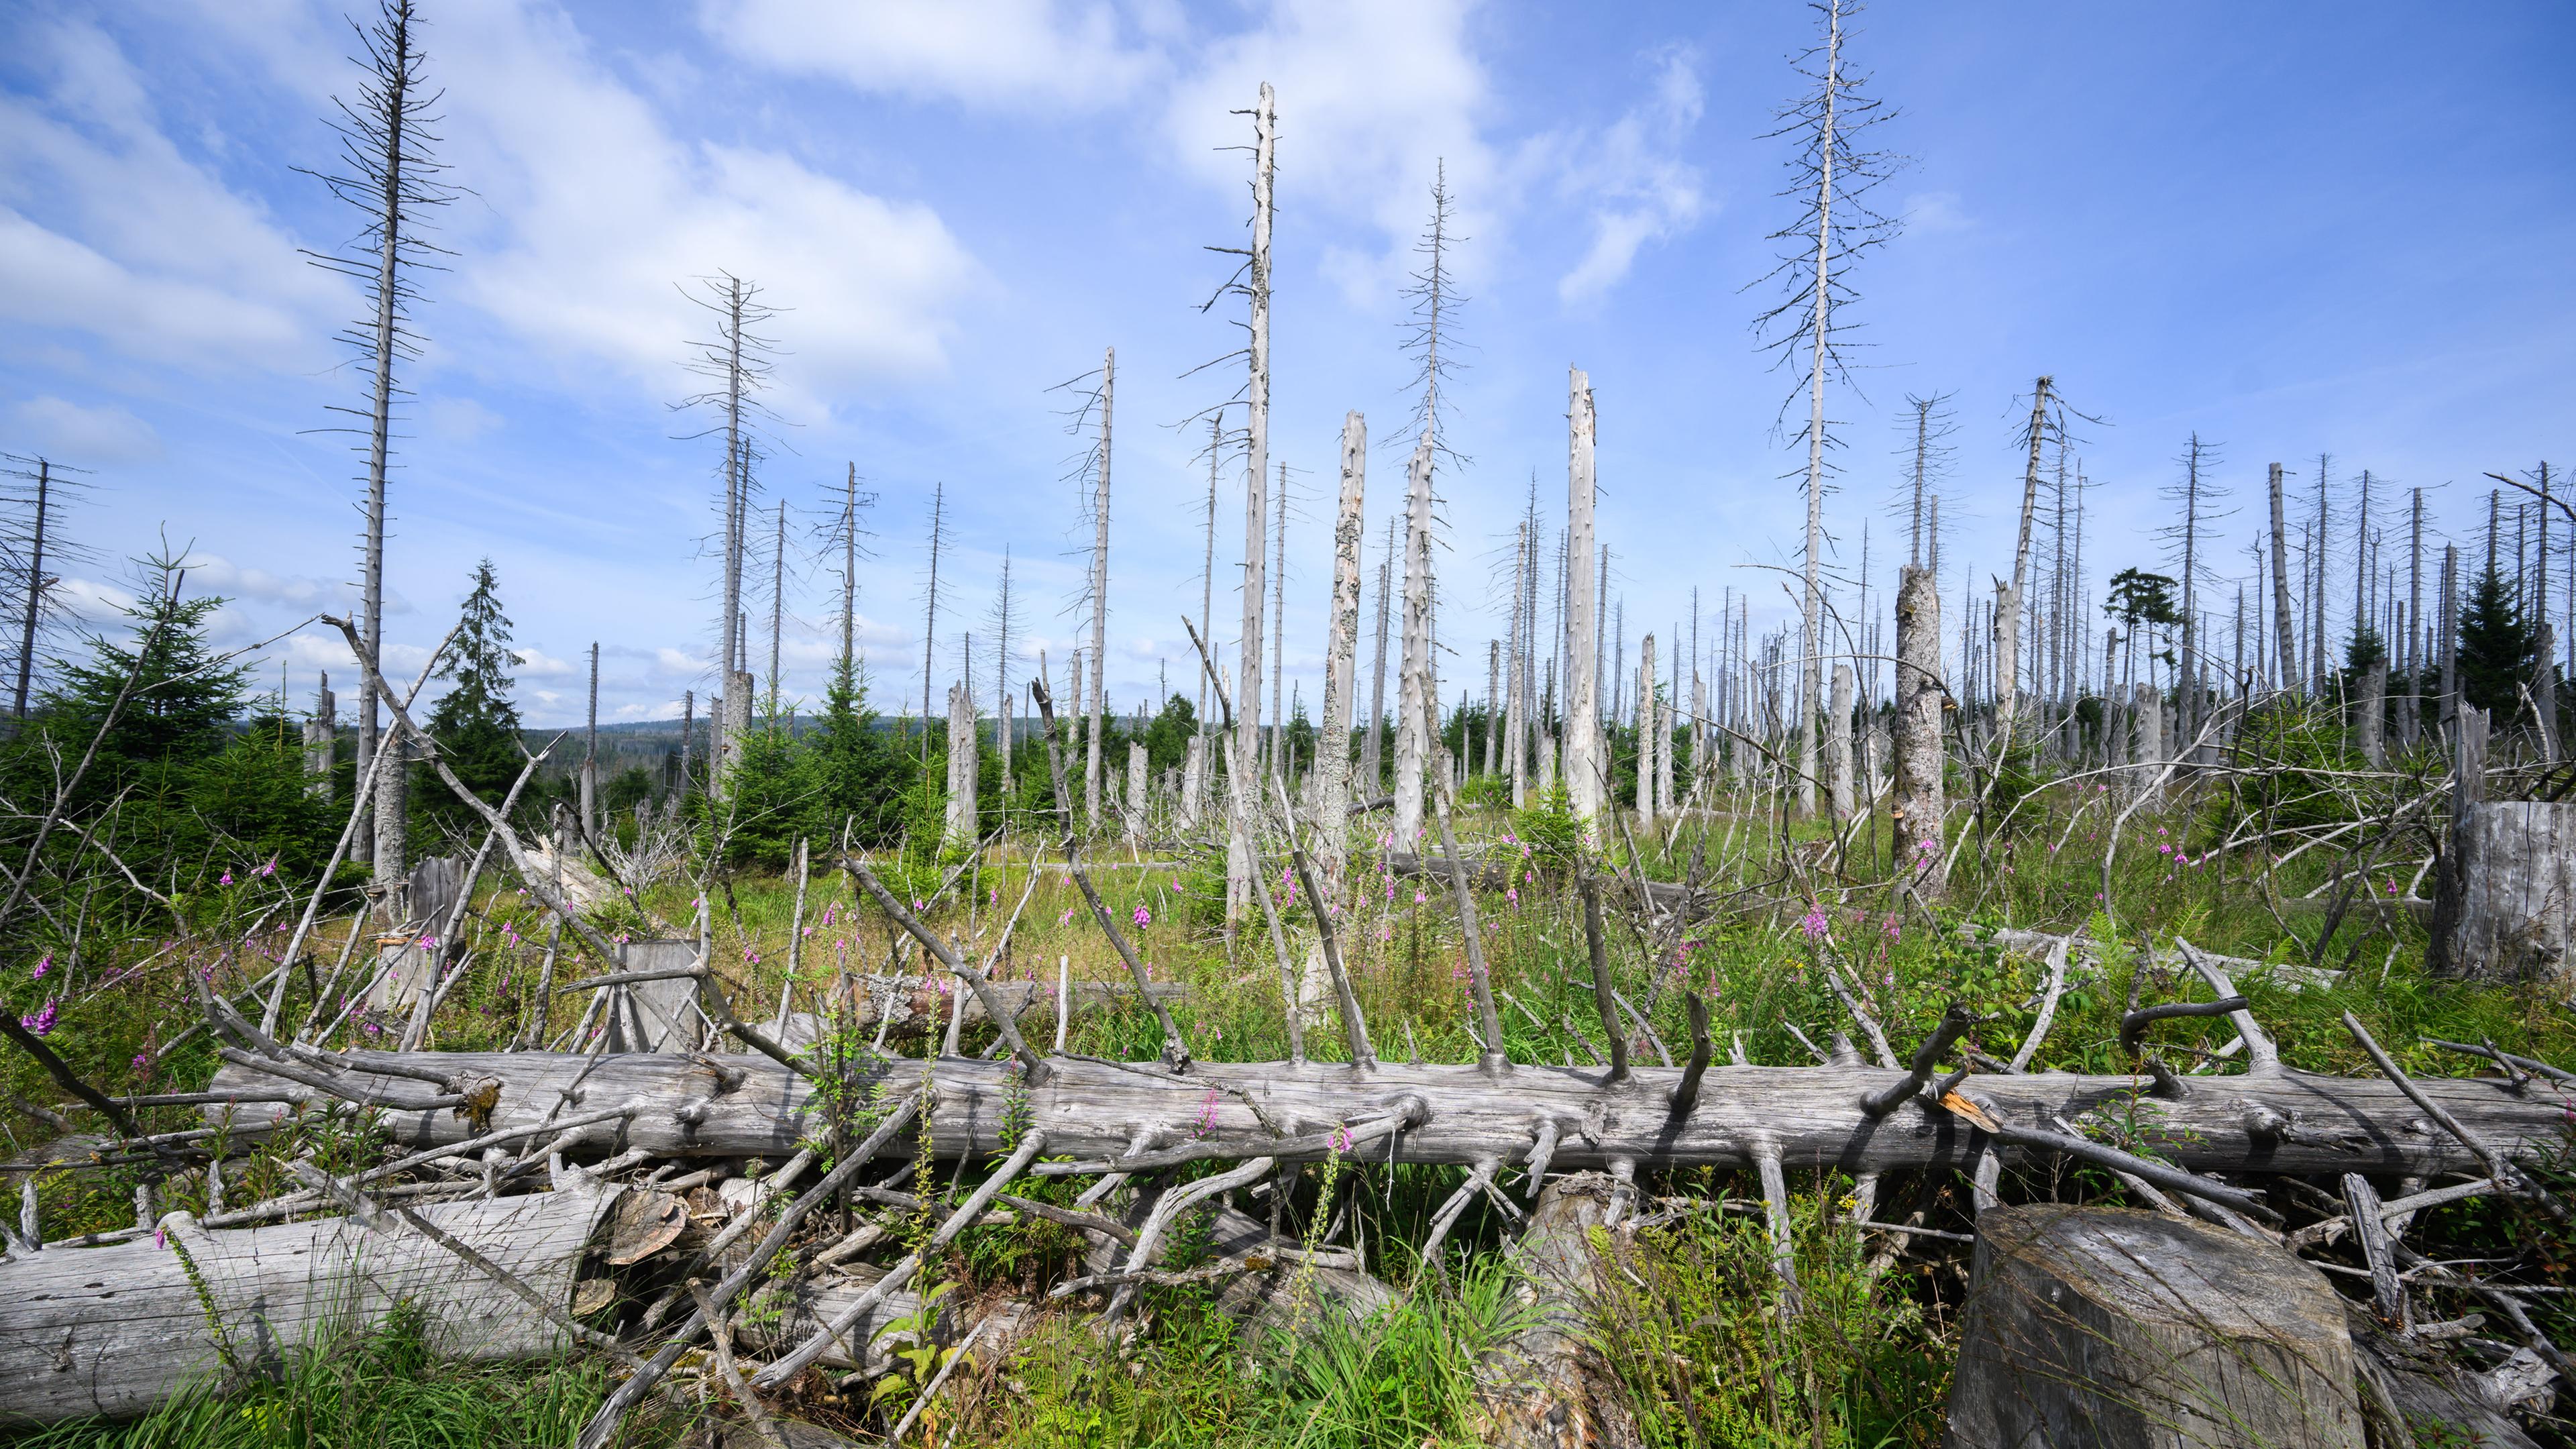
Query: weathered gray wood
(2517, 893)
(1586, 766)
(2131, 1330)
(117, 1330)
(1547, 1385)
(653, 1016)
(909, 1004)
(1094, 1110)
(1921, 697)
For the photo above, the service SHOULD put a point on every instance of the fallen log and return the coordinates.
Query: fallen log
(1113, 1116)
(118, 1330)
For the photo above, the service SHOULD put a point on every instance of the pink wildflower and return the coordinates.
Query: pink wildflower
(43, 1021)
(227, 879)
(1814, 923)
(1143, 918)
(43, 966)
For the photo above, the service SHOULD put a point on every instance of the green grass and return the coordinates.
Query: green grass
(381, 1391)
(1689, 1320)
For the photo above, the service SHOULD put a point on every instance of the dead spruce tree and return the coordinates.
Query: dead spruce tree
(1433, 297)
(932, 596)
(2197, 494)
(388, 169)
(737, 364)
(1091, 417)
(1002, 622)
(34, 549)
(1831, 178)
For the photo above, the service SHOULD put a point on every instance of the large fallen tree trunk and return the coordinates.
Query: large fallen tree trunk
(118, 1330)
(1119, 1117)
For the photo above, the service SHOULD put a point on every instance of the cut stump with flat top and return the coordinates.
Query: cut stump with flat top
(2116, 1329)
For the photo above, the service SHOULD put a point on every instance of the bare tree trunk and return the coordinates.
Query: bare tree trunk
(1516, 703)
(36, 584)
(1416, 709)
(1586, 778)
(1921, 692)
(1280, 767)
(322, 739)
(2450, 702)
(1092, 765)
(1838, 745)
(1333, 799)
(1811, 600)
(1256, 508)
(1646, 733)
(2410, 721)
(1373, 745)
(590, 754)
(2373, 707)
(2285, 636)
(2008, 599)
(1207, 570)
(962, 826)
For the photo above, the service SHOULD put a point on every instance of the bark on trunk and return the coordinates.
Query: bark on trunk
(1838, 746)
(1921, 700)
(1414, 704)
(1333, 765)
(962, 828)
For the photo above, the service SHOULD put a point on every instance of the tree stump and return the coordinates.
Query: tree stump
(1547, 1386)
(2504, 897)
(2113, 1327)
(2516, 891)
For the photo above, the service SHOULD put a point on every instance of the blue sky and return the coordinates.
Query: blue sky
(2294, 228)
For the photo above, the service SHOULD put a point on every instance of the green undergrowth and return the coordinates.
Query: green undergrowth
(385, 1390)
(1690, 1317)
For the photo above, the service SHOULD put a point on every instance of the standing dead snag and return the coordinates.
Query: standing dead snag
(1256, 501)
(1585, 787)
(1333, 763)
(1921, 700)
(1176, 1049)
(392, 177)
(1416, 708)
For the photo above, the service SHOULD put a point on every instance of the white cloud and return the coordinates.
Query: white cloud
(537, 664)
(93, 601)
(1371, 98)
(87, 437)
(214, 574)
(603, 209)
(1640, 189)
(141, 246)
(458, 419)
(1935, 211)
(1000, 54)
